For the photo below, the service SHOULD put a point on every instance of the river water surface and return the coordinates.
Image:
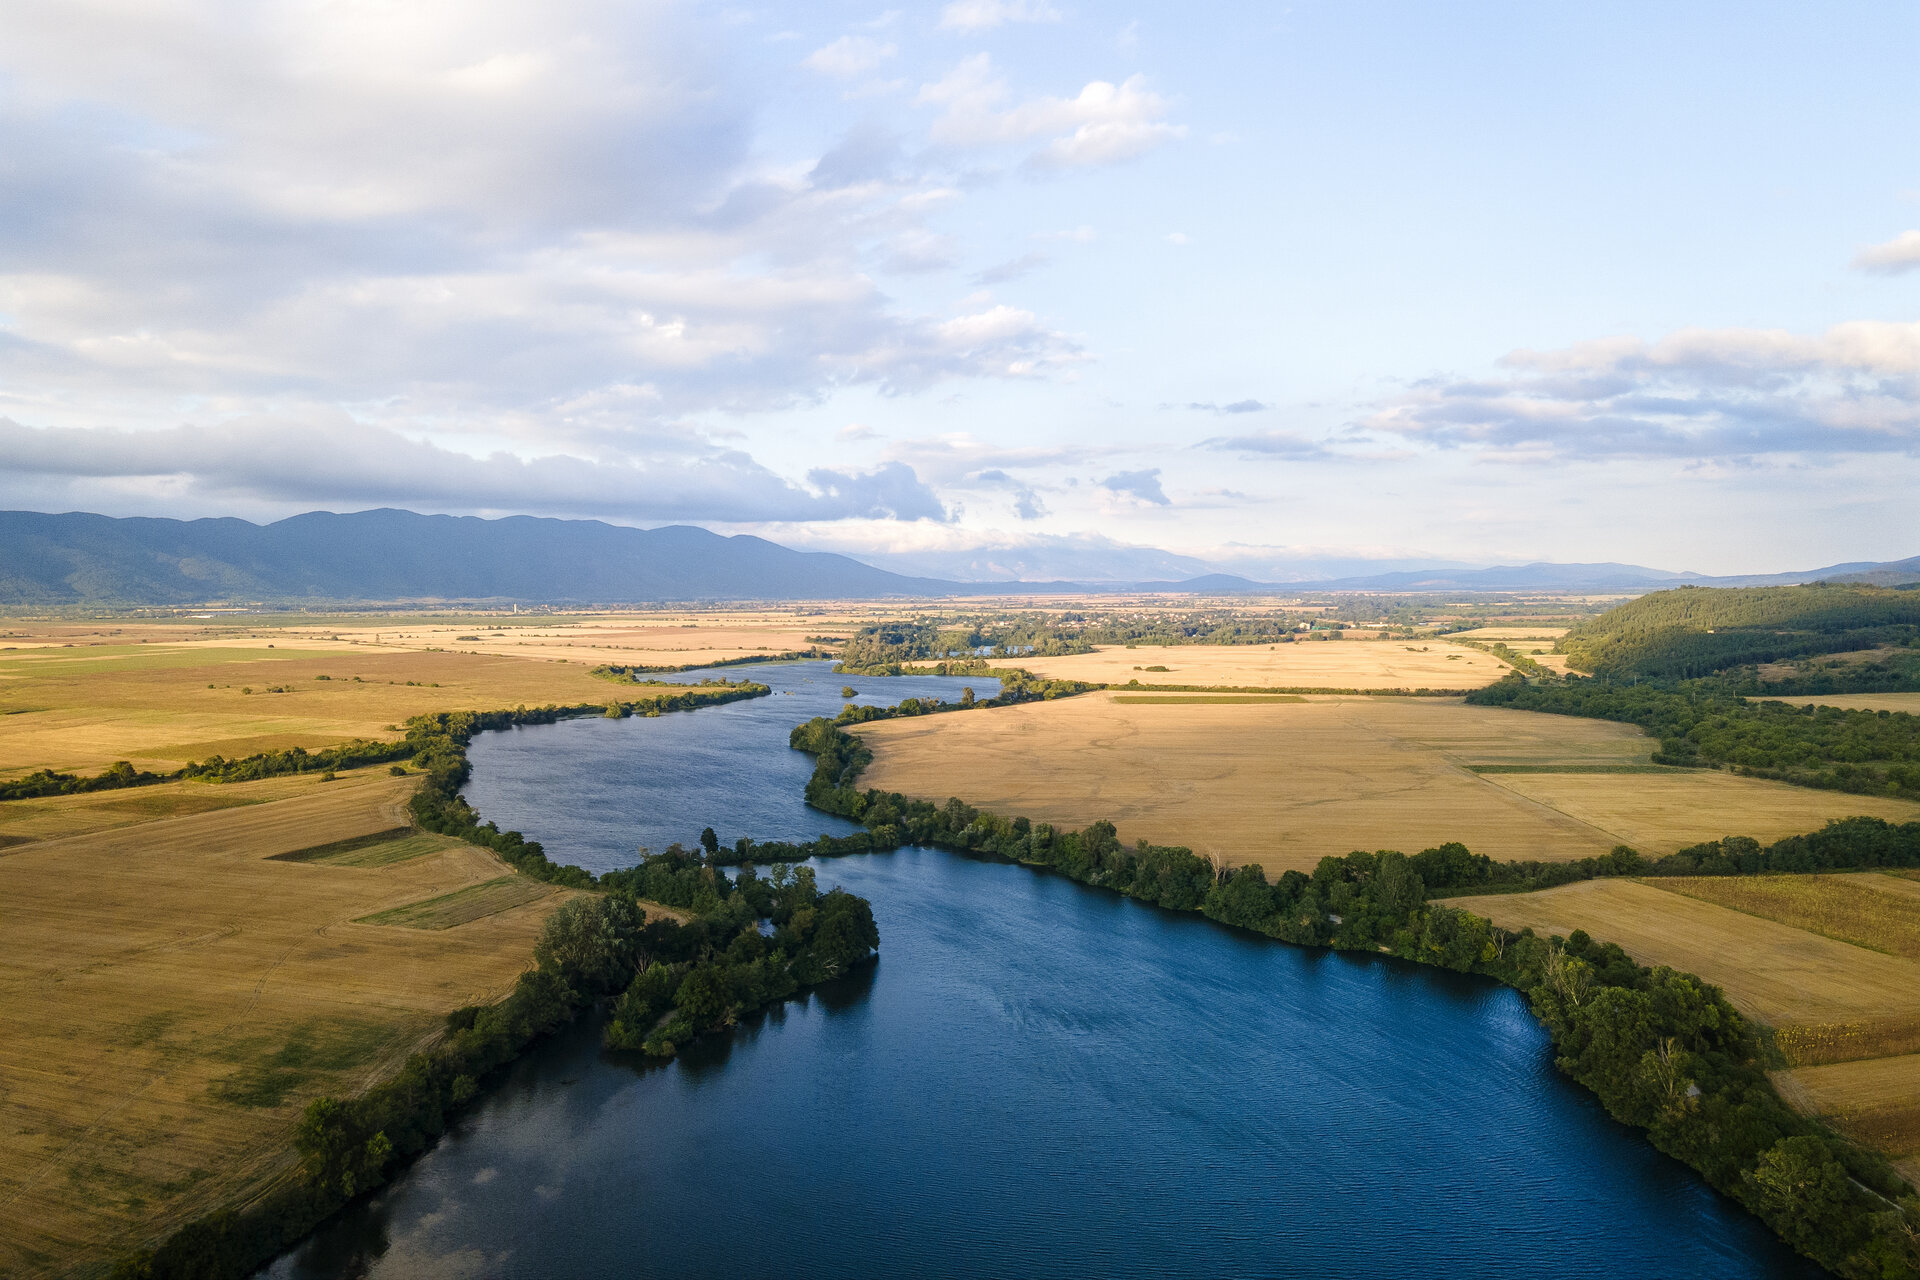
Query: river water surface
(1037, 1079)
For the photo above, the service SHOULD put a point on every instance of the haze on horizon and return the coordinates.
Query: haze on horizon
(1011, 282)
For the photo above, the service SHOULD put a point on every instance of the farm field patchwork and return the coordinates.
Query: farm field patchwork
(174, 995)
(1287, 784)
(1304, 664)
(1865, 908)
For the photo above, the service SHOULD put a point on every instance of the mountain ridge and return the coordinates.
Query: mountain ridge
(392, 556)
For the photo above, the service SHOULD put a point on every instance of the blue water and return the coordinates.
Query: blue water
(1037, 1079)
(658, 781)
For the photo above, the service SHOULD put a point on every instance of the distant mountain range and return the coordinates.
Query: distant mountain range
(398, 556)
(391, 556)
(1603, 578)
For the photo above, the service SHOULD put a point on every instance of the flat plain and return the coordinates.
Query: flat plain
(1285, 784)
(174, 995)
(164, 703)
(1303, 664)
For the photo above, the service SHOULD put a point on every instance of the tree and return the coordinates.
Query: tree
(709, 841)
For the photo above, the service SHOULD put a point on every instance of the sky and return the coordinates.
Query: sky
(985, 288)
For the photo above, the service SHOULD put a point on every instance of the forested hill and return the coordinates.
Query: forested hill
(1697, 631)
(398, 555)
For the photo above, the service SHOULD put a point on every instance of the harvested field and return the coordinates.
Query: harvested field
(1851, 908)
(1305, 664)
(1203, 699)
(1668, 809)
(1779, 974)
(171, 996)
(53, 816)
(1285, 784)
(1907, 702)
(1877, 1101)
(463, 906)
(1507, 635)
(160, 706)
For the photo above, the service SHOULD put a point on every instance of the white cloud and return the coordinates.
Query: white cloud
(1900, 254)
(334, 460)
(849, 56)
(1142, 486)
(547, 224)
(1706, 394)
(980, 15)
(1103, 124)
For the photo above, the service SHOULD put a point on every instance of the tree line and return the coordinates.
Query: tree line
(885, 648)
(1698, 723)
(1662, 1050)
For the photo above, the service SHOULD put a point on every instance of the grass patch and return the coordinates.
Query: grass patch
(175, 805)
(1213, 699)
(337, 848)
(392, 851)
(462, 906)
(1846, 908)
(313, 1049)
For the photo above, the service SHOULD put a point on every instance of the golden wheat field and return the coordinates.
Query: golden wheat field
(161, 705)
(174, 994)
(1663, 811)
(1304, 664)
(1876, 1101)
(1777, 973)
(1907, 702)
(1867, 909)
(1285, 784)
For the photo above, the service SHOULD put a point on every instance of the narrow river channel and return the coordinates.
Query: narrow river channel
(1037, 1079)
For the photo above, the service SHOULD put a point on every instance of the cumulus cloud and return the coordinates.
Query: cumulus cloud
(1696, 394)
(340, 461)
(1142, 485)
(1026, 501)
(1103, 124)
(849, 56)
(549, 223)
(980, 15)
(1900, 254)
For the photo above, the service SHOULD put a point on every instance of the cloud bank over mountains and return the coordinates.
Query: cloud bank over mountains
(999, 273)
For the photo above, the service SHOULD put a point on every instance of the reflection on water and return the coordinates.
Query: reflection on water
(1036, 1079)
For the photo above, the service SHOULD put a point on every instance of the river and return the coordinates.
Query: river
(1036, 1079)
